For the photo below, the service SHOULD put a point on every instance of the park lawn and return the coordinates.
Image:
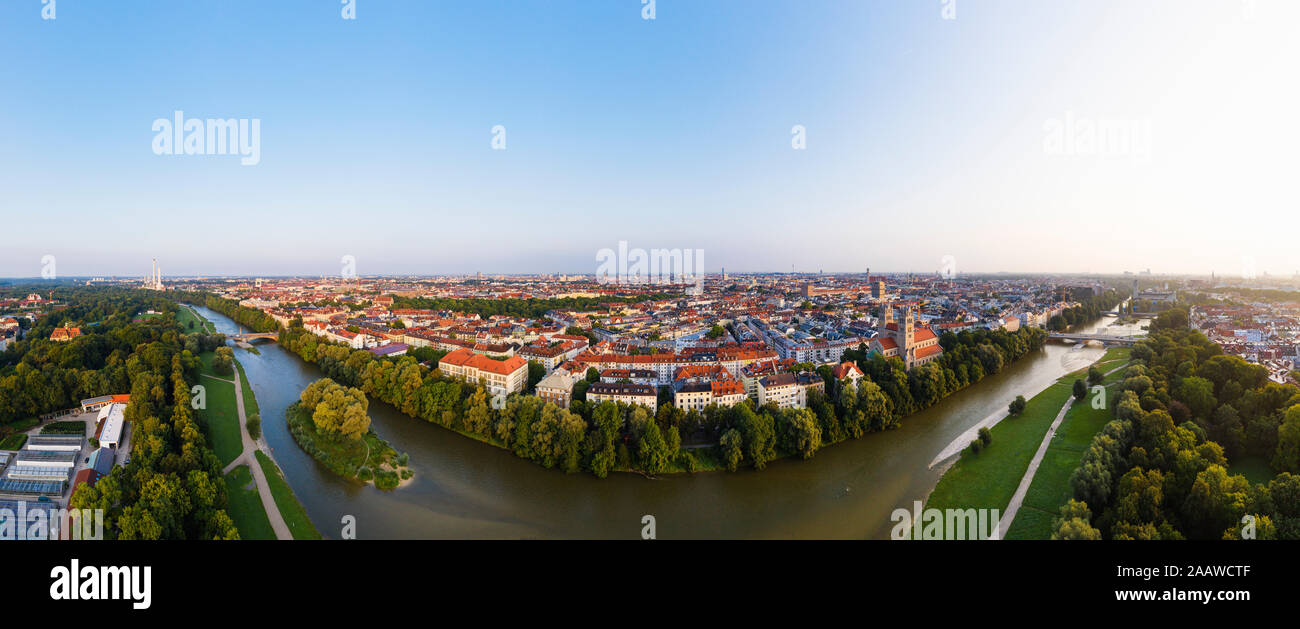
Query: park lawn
(295, 516)
(221, 415)
(250, 399)
(1082, 422)
(988, 480)
(1255, 469)
(245, 505)
(13, 442)
(205, 365)
(1031, 523)
(185, 316)
(1051, 489)
(1114, 357)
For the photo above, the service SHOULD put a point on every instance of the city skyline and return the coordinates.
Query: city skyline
(883, 272)
(155, 275)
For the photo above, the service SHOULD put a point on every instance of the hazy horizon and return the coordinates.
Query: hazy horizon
(715, 272)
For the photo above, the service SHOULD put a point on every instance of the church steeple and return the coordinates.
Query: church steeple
(909, 328)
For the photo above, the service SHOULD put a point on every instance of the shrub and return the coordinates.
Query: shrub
(686, 461)
(985, 437)
(1018, 405)
(976, 446)
(13, 442)
(64, 428)
(385, 479)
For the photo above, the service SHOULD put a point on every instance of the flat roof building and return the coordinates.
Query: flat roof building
(110, 421)
(643, 394)
(39, 458)
(56, 443)
(96, 403)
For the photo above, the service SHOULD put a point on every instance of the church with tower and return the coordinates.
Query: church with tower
(915, 346)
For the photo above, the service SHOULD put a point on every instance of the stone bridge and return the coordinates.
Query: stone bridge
(1103, 338)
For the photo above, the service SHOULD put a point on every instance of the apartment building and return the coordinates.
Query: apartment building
(498, 376)
(635, 376)
(783, 390)
(554, 354)
(557, 388)
(665, 364)
(788, 390)
(643, 394)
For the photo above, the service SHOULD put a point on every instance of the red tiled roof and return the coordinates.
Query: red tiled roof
(929, 351)
(843, 370)
(465, 357)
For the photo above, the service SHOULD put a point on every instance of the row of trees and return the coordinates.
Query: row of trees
(171, 488)
(250, 318)
(38, 376)
(605, 437)
(223, 361)
(1090, 307)
(968, 357)
(1159, 469)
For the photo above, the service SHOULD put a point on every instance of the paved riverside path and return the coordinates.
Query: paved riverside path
(248, 458)
(1009, 515)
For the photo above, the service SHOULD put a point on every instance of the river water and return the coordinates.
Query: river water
(466, 489)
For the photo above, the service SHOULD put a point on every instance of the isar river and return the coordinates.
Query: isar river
(466, 489)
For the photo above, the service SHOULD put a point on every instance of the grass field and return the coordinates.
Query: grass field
(13, 442)
(221, 415)
(988, 480)
(250, 399)
(185, 316)
(1050, 489)
(295, 516)
(245, 505)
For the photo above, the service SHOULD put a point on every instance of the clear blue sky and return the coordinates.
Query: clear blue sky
(925, 136)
